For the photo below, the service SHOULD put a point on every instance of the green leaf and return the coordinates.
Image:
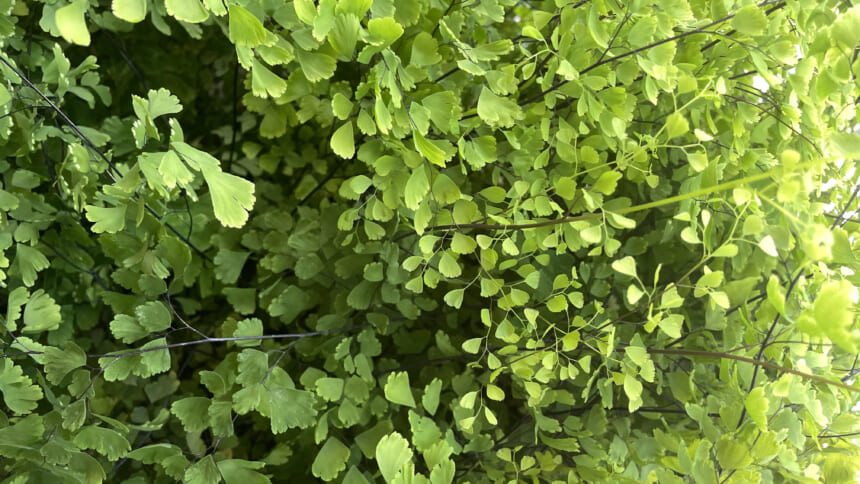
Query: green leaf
(498, 112)
(846, 29)
(472, 345)
(425, 50)
(232, 197)
(392, 453)
(495, 393)
(153, 316)
(733, 454)
(463, 244)
(448, 266)
(168, 456)
(204, 471)
(248, 398)
(240, 471)
(306, 11)
(633, 390)
(106, 219)
(430, 398)
(16, 300)
(133, 11)
(5, 97)
(316, 66)
(671, 325)
(193, 412)
(341, 106)
(253, 367)
(190, 11)
(445, 191)
(698, 161)
(19, 393)
(264, 82)
(30, 261)
(161, 102)
(768, 246)
(676, 125)
(342, 142)
(245, 29)
(329, 389)
(229, 264)
(757, 406)
(172, 169)
(106, 442)
(833, 313)
(454, 298)
(41, 313)
(845, 144)
(416, 188)
(291, 408)
(71, 23)
(727, 250)
(750, 20)
(330, 460)
(155, 358)
(397, 389)
(626, 266)
(127, 329)
(383, 31)
(308, 266)
(433, 153)
(246, 328)
(59, 362)
(344, 34)
(775, 295)
(607, 182)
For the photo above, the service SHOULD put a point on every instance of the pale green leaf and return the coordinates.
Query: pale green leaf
(676, 125)
(330, 460)
(193, 412)
(291, 408)
(417, 186)
(191, 11)
(397, 389)
(106, 442)
(153, 316)
(247, 328)
(392, 453)
(41, 313)
(757, 406)
(106, 219)
(498, 112)
(71, 23)
(607, 182)
(342, 141)
(30, 262)
(59, 362)
(425, 50)
(316, 66)
(132, 11)
(245, 29)
(264, 82)
(238, 471)
(626, 266)
(19, 393)
(383, 31)
(750, 20)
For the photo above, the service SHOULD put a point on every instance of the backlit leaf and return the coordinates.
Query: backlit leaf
(71, 23)
(129, 10)
(245, 29)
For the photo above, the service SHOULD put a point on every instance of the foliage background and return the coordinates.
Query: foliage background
(420, 241)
